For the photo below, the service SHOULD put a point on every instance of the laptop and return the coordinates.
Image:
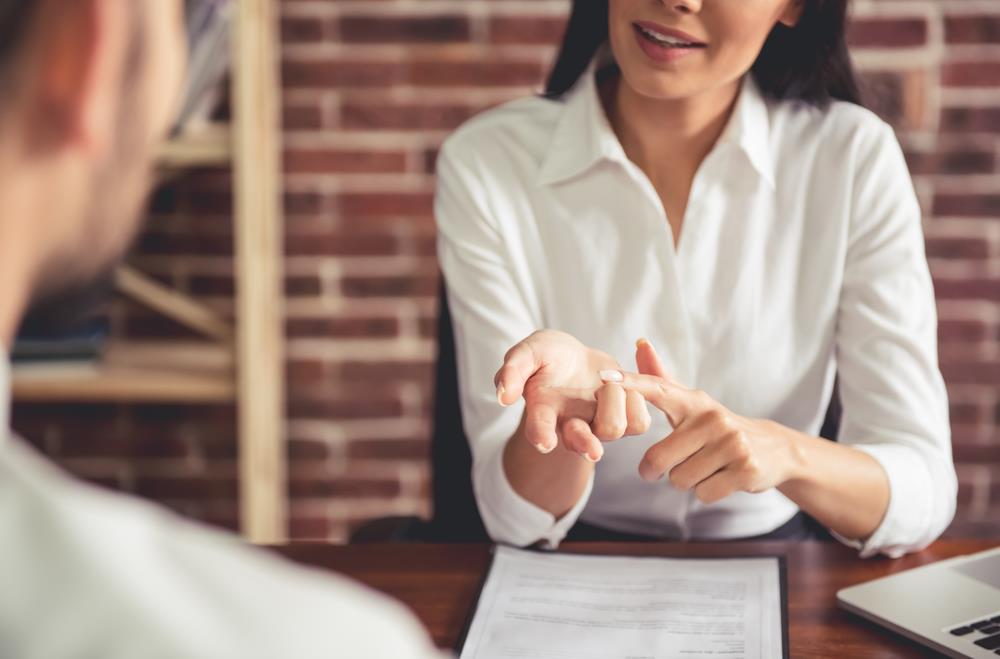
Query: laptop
(952, 606)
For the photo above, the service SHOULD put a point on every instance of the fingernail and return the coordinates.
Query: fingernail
(591, 458)
(500, 393)
(611, 376)
(544, 450)
(640, 342)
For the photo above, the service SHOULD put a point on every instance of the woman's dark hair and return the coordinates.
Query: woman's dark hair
(808, 62)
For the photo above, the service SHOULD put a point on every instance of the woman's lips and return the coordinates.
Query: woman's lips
(663, 44)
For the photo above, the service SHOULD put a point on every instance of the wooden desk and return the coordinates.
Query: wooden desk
(439, 583)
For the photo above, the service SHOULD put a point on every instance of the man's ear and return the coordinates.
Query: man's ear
(77, 74)
(792, 13)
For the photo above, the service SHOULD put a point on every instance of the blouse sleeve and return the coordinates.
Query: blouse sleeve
(895, 405)
(492, 310)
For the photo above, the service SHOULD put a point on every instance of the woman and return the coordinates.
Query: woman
(699, 172)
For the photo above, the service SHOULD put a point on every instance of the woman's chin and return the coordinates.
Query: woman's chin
(660, 85)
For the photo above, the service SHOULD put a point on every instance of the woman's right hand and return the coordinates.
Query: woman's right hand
(566, 402)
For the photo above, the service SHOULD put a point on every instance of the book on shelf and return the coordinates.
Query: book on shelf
(83, 343)
(72, 326)
(208, 28)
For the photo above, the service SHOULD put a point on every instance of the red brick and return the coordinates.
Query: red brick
(971, 29)
(967, 205)
(368, 243)
(390, 286)
(967, 288)
(365, 487)
(332, 73)
(212, 285)
(307, 450)
(962, 331)
(389, 449)
(303, 286)
(341, 487)
(360, 404)
(957, 248)
(196, 487)
(404, 29)
(526, 29)
(153, 242)
(300, 372)
(302, 29)
(368, 205)
(972, 119)
(971, 74)
(312, 527)
(354, 371)
(305, 203)
(485, 71)
(338, 161)
(386, 114)
(328, 327)
(985, 372)
(887, 32)
(302, 117)
(967, 413)
(977, 453)
(965, 159)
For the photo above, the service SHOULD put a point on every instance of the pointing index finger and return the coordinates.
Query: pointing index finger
(671, 398)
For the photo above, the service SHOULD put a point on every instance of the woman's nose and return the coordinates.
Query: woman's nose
(683, 6)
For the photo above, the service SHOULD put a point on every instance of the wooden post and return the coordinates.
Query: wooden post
(260, 314)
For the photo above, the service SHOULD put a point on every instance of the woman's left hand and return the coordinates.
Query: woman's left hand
(711, 450)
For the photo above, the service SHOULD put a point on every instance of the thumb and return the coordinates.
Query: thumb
(648, 361)
(519, 364)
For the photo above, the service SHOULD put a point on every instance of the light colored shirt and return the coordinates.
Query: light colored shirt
(801, 256)
(88, 573)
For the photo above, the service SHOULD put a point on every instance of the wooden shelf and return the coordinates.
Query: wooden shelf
(175, 372)
(210, 146)
(155, 372)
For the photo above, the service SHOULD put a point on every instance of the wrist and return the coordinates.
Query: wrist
(794, 452)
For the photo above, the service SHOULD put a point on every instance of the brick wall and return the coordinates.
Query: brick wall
(371, 88)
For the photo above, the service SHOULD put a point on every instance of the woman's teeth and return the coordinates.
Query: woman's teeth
(664, 40)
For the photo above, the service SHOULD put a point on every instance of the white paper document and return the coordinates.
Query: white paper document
(537, 605)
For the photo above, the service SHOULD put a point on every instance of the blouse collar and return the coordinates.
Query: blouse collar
(583, 135)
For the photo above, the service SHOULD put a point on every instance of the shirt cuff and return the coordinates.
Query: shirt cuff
(511, 519)
(904, 526)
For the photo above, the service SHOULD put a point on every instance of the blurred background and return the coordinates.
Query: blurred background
(369, 88)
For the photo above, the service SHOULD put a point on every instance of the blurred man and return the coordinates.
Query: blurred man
(87, 88)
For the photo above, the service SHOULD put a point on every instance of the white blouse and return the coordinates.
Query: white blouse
(801, 257)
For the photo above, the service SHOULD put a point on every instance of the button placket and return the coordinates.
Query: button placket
(674, 316)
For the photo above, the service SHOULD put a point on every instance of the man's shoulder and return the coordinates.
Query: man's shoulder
(121, 576)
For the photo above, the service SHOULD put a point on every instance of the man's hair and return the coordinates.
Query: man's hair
(15, 17)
